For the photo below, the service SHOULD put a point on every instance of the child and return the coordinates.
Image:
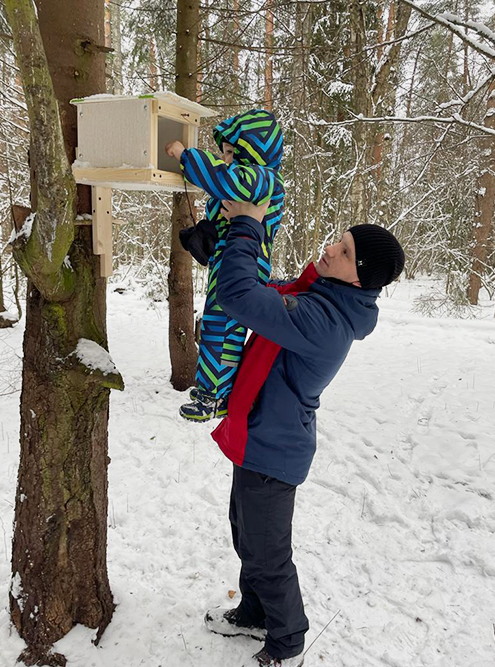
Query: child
(252, 146)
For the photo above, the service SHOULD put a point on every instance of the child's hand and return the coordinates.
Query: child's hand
(231, 209)
(174, 149)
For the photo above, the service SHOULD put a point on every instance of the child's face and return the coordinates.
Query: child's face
(228, 153)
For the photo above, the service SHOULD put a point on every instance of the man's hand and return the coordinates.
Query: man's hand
(231, 209)
(174, 149)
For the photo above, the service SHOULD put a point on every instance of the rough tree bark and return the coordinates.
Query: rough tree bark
(59, 572)
(268, 90)
(5, 321)
(300, 199)
(485, 204)
(361, 104)
(235, 50)
(183, 353)
(118, 85)
(113, 40)
(374, 94)
(384, 95)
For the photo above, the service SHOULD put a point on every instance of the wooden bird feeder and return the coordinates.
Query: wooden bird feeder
(121, 144)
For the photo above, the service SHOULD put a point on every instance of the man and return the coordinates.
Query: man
(302, 334)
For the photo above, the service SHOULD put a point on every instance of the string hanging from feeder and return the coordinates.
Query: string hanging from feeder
(189, 202)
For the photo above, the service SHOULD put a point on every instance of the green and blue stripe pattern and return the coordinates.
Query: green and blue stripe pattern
(254, 177)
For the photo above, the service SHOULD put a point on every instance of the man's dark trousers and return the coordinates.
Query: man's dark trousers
(261, 510)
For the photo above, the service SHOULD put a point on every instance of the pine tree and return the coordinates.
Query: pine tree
(59, 549)
(183, 354)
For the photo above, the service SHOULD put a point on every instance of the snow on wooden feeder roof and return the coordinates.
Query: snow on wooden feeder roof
(121, 140)
(121, 144)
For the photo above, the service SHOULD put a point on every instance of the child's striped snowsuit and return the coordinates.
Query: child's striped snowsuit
(254, 177)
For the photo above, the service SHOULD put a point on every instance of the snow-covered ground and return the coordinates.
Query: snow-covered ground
(394, 532)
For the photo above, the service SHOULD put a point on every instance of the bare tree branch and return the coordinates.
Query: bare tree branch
(455, 118)
(481, 48)
(480, 28)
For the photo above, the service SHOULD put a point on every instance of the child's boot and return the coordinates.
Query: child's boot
(204, 407)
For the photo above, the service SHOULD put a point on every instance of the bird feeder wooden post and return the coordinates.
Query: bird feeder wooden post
(121, 144)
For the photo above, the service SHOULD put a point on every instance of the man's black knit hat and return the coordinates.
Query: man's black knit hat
(379, 256)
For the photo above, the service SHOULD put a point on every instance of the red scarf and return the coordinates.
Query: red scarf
(257, 360)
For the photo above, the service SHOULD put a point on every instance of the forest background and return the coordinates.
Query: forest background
(323, 67)
(388, 112)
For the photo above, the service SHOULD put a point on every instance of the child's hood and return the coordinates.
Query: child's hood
(256, 137)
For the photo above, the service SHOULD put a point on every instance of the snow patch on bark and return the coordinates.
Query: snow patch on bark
(94, 357)
(25, 230)
(8, 316)
(17, 592)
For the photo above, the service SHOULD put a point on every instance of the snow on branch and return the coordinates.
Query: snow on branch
(454, 118)
(462, 101)
(479, 28)
(18, 127)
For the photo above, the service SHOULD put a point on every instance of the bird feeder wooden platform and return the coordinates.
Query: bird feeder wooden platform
(121, 144)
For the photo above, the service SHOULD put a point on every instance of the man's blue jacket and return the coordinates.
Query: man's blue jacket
(315, 330)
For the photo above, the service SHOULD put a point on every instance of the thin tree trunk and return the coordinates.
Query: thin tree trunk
(465, 68)
(17, 285)
(108, 25)
(183, 353)
(390, 22)
(300, 198)
(113, 41)
(379, 34)
(361, 104)
(59, 548)
(448, 59)
(115, 18)
(235, 50)
(152, 65)
(485, 204)
(384, 100)
(268, 93)
(4, 321)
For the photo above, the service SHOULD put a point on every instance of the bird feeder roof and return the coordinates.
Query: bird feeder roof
(169, 98)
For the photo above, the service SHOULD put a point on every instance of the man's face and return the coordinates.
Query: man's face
(228, 153)
(339, 261)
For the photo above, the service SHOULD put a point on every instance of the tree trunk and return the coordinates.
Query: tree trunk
(118, 84)
(5, 322)
(361, 104)
(59, 548)
(113, 39)
(384, 101)
(183, 352)
(485, 204)
(268, 94)
(2, 302)
(235, 50)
